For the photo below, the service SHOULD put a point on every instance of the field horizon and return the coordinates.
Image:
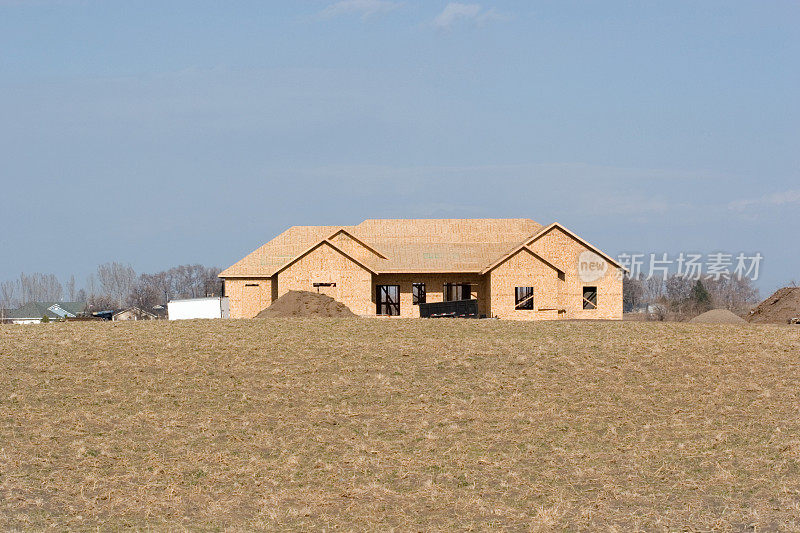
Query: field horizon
(409, 424)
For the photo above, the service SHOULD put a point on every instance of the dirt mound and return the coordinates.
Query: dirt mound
(306, 304)
(718, 316)
(778, 308)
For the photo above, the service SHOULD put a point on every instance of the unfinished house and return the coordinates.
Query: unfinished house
(515, 268)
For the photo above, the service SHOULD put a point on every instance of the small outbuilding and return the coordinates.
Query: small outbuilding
(213, 307)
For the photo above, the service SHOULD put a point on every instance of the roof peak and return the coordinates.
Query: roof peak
(451, 244)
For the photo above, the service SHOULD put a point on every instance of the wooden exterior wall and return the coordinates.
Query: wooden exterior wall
(325, 264)
(524, 269)
(564, 251)
(248, 296)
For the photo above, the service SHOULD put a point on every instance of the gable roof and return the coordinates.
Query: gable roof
(403, 245)
(326, 242)
(343, 231)
(269, 258)
(53, 310)
(541, 233)
(581, 240)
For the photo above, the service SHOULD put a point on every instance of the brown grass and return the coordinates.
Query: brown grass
(415, 425)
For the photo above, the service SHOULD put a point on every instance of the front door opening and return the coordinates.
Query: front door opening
(388, 300)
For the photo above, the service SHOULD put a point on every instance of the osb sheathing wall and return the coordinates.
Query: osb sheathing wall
(434, 288)
(325, 264)
(248, 296)
(563, 250)
(523, 269)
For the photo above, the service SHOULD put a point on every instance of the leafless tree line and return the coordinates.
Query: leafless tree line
(686, 296)
(183, 281)
(30, 288)
(114, 285)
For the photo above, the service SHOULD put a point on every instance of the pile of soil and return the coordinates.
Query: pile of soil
(306, 304)
(718, 316)
(779, 308)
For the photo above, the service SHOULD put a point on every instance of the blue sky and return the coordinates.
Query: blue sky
(160, 133)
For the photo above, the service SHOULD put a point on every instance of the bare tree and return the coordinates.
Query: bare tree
(737, 294)
(192, 281)
(91, 285)
(632, 293)
(678, 291)
(8, 298)
(101, 302)
(116, 281)
(653, 288)
(212, 282)
(27, 288)
(658, 313)
(145, 293)
(39, 288)
(157, 288)
(8, 294)
(71, 288)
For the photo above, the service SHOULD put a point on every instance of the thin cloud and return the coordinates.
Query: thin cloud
(365, 8)
(456, 12)
(774, 199)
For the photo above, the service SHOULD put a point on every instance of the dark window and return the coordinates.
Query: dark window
(457, 291)
(590, 297)
(388, 300)
(523, 298)
(418, 295)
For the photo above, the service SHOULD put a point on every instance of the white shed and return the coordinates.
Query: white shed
(198, 308)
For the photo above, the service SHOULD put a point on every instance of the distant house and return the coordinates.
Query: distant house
(133, 313)
(34, 312)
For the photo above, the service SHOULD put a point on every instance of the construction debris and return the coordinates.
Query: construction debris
(306, 304)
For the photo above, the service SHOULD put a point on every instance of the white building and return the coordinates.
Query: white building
(212, 307)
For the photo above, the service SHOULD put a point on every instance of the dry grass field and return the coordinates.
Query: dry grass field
(413, 425)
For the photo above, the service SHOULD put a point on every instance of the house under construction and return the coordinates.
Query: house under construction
(515, 268)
